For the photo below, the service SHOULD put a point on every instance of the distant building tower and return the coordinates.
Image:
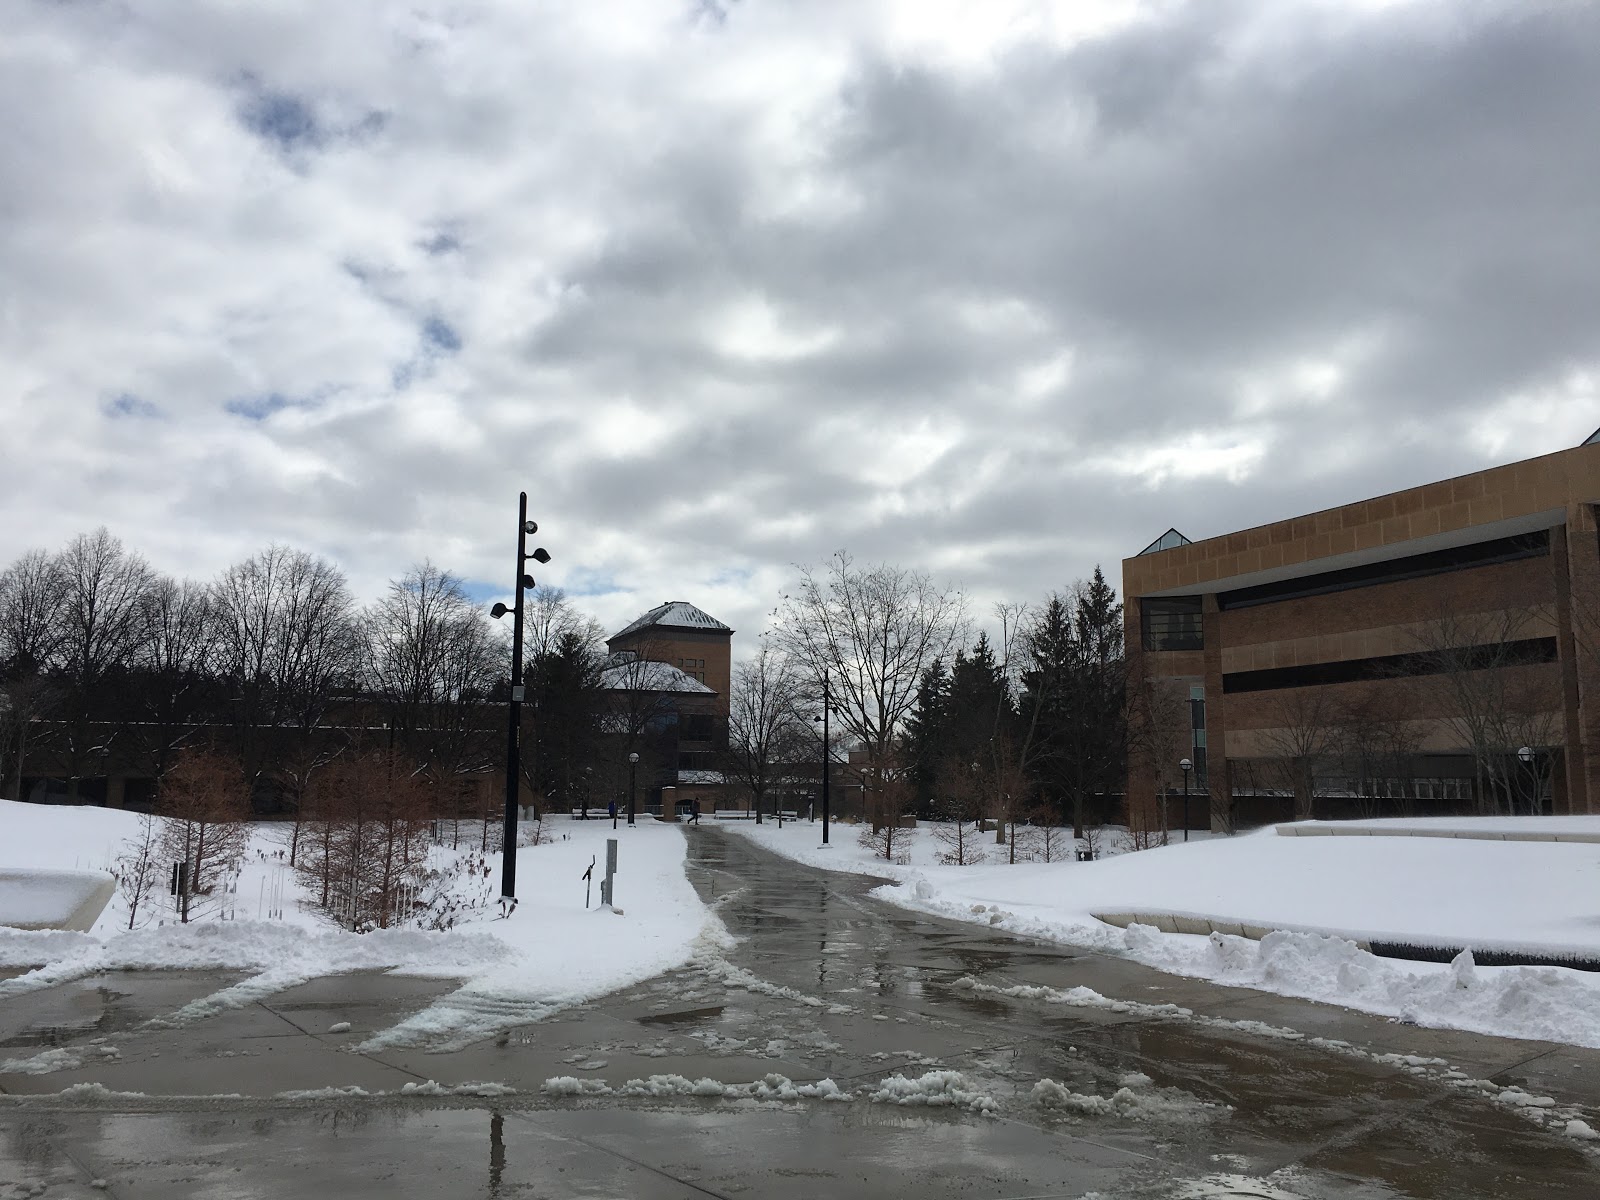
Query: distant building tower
(686, 637)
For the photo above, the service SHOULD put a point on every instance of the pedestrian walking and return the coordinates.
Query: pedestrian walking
(694, 812)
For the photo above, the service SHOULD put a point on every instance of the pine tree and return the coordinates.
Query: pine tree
(927, 732)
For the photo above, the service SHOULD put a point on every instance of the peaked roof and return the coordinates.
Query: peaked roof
(643, 675)
(675, 614)
(1592, 439)
(1166, 541)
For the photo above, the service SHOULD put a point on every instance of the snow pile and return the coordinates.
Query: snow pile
(1323, 894)
(1135, 1100)
(31, 898)
(769, 1087)
(430, 1088)
(551, 952)
(936, 1089)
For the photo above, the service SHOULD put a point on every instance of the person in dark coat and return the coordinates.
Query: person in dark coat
(694, 812)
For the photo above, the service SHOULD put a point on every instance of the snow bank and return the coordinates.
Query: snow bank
(31, 898)
(1328, 892)
(550, 953)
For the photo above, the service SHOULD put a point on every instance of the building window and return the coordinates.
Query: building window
(1416, 566)
(1171, 623)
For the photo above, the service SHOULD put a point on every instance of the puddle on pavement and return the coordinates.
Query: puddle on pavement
(684, 1016)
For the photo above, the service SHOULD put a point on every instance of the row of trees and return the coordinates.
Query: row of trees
(937, 727)
(102, 657)
(361, 849)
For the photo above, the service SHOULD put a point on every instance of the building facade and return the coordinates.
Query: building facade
(670, 672)
(1429, 650)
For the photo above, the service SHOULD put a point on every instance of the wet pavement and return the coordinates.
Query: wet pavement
(150, 1094)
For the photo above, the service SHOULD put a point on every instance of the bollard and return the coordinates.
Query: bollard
(608, 890)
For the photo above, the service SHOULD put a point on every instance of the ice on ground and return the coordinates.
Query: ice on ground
(1323, 894)
(1134, 1102)
(769, 1087)
(936, 1089)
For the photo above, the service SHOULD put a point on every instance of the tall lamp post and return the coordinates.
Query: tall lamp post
(827, 756)
(1526, 755)
(633, 782)
(1185, 766)
(524, 581)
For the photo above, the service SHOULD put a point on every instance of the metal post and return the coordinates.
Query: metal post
(633, 783)
(1186, 766)
(827, 756)
(508, 856)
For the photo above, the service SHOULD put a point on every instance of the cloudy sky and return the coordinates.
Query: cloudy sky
(999, 290)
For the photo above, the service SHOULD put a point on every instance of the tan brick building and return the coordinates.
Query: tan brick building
(1433, 649)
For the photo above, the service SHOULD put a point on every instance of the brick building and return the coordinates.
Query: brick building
(1429, 650)
(670, 672)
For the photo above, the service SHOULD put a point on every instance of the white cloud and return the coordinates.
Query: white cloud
(1000, 288)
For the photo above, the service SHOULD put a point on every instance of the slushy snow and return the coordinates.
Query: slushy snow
(1322, 894)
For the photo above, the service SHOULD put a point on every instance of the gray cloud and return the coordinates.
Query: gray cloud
(730, 287)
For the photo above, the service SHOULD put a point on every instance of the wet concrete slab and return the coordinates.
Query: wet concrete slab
(824, 983)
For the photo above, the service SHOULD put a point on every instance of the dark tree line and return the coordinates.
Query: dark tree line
(105, 660)
(1038, 729)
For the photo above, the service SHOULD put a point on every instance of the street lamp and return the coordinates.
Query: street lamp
(1526, 755)
(524, 581)
(827, 757)
(633, 782)
(1185, 766)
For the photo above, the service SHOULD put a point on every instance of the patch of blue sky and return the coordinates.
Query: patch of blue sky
(580, 582)
(482, 592)
(439, 337)
(126, 404)
(283, 119)
(440, 244)
(439, 340)
(259, 407)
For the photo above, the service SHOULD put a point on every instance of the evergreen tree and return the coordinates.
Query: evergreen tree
(927, 732)
(1075, 678)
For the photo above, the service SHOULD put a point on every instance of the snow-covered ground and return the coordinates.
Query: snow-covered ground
(551, 952)
(1538, 897)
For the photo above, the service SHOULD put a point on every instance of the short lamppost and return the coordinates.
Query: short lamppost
(524, 581)
(1526, 755)
(633, 782)
(1185, 766)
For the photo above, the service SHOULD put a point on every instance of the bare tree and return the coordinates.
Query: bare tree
(104, 588)
(176, 682)
(139, 866)
(765, 728)
(31, 627)
(1306, 733)
(204, 799)
(1483, 670)
(287, 638)
(366, 856)
(24, 703)
(872, 631)
(889, 799)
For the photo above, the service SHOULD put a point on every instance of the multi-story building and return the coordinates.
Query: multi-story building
(670, 672)
(1431, 649)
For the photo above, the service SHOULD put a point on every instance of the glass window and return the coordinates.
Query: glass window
(1171, 622)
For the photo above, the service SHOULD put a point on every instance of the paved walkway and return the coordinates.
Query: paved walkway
(824, 983)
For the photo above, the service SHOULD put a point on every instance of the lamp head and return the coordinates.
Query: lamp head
(1185, 765)
(498, 610)
(1526, 754)
(540, 555)
(530, 527)
(527, 582)
(634, 757)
